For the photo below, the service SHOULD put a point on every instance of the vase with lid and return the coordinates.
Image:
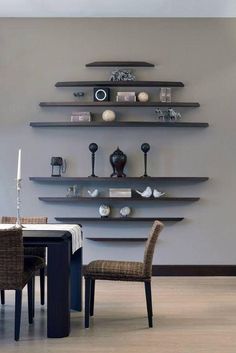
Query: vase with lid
(118, 161)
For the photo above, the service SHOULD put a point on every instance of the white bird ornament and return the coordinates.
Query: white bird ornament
(93, 193)
(157, 193)
(146, 193)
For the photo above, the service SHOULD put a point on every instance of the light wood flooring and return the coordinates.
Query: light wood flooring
(192, 315)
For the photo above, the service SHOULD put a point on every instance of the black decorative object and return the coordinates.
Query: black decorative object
(93, 148)
(58, 166)
(79, 94)
(101, 94)
(145, 147)
(118, 160)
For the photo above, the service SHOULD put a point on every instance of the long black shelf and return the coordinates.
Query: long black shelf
(76, 220)
(119, 84)
(117, 239)
(117, 199)
(119, 64)
(120, 104)
(117, 180)
(117, 124)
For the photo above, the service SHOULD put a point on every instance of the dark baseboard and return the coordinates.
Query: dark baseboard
(194, 270)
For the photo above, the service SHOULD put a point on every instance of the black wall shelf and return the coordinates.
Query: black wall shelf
(119, 84)
(118, 124)
(117, 199)
(120, 104)
(118, 239)
(118, 180)
(119, 64)
(76, 220)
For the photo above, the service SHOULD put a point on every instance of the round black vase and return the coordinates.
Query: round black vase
(118, 161)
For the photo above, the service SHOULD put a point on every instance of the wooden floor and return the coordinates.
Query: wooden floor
(192, 315)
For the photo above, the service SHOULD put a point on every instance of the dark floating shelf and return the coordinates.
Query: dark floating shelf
(119, 84)
(117, 199)
(119, 104)
(118, 124)
(76, 220)
(118, 180)
(118, 239)
(120, 64)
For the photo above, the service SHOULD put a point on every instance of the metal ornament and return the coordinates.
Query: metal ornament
(93, 148)
(122, 75)
(145, 147)
(118, 160)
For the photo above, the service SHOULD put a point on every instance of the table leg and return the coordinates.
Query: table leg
(76, 280)
(58, 294)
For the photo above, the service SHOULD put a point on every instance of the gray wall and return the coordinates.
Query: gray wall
(35, 53)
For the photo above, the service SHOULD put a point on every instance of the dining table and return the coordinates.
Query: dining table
(64, 271)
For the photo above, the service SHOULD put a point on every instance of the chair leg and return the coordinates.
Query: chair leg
(92, 294)
(42, 285)
(30, 289)
(18, 304)
(2, 297)
(87, 301)
(33, 296)
(148, 293)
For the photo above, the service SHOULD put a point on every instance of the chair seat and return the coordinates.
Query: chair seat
(115, 270)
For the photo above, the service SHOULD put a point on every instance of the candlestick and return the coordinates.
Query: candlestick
(18, 190)
(19, 166)
(145, 147)
(93, 148)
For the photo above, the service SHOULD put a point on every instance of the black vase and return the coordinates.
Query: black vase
(118, 160)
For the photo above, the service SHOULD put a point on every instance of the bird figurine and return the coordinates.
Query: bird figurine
(93, 193)
(146, 193)
(157, 193)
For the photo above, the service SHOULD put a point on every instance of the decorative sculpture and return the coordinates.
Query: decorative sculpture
(108, 115)
(145, 147)
(125, 211)
(58, 166)
(146, 193)
(122, 75)
(157, 193)
(104, 210)
(93, 148)
(93, 193)
(118, 160)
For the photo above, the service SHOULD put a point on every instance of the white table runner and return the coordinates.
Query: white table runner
(74, 229)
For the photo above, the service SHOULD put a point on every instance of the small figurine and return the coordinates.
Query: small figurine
(125, 211)
(104, 210)
(93, 193)
(146, 193)
(157, 193)
(79, 94)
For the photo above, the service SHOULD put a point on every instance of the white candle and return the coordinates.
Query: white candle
(19, 166)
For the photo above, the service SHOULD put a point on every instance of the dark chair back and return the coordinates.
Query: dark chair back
(11, 258)
(150, 247)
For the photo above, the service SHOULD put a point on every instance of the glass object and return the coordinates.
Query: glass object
(168, 94)
(163, 94)
(72, 191)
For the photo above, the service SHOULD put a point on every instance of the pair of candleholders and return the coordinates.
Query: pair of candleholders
(118, 160)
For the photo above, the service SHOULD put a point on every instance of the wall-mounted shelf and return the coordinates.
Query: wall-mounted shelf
(118, 180)
(76, 220)
(117, 199)
(119, 84)
(118, 239)
(120, 64)
(120, 104)
(118, 124)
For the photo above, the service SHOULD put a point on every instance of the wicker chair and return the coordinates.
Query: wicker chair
(17, 270)
(36, 251)
(122, 271)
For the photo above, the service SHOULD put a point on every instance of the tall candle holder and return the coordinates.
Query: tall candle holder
(18, 204)
(93, 148)
(145, 147)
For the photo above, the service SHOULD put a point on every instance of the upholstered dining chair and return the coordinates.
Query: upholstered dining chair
(35, 251)
(122, 271)
(17, 270)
